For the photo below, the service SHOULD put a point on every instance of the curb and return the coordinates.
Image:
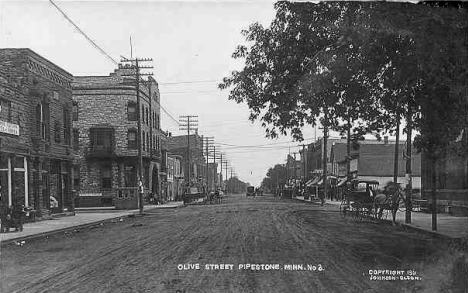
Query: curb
(81, 226)
(457, 240)
(58, 231)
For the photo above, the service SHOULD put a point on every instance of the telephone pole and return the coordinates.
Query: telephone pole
(189, 123)
(135, 67)
(208, 145)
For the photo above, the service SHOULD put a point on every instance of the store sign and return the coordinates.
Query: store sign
(90, 194)
(9, 128)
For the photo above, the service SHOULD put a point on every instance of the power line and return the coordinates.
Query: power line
(99, 48)
(191, 81)
(83, 33)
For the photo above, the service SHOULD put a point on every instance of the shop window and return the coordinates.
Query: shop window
(131, 111)
(75, 111)
(106, 177)
(3, 161)
(5, 110)
(19, 162)
(131, 138)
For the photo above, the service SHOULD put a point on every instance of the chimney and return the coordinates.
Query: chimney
(385, 140)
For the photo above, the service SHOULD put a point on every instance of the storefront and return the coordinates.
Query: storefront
(14, 183)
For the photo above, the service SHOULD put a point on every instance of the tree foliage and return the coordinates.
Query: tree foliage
(360, 62)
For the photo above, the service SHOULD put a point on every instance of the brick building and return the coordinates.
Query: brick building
(35, 132)
(105, 123)
(175, 177)
(177, 145)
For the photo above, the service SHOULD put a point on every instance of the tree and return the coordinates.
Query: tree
(360, 65)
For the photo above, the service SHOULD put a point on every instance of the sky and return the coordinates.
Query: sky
(191, 44)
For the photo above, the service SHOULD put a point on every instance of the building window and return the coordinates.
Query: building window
(76, 177)
(57, 137)
(147, 117)
(5, 110)
(106, 177)
(75, 112)
(142, 113)
(132, 139)
(131, 111)
(143, 140)
(130, 176)
(148, 141)
(101, 139)
(66, 126)
(42, 120)
(76, 139)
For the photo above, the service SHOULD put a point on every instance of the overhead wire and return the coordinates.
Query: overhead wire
(99, 48)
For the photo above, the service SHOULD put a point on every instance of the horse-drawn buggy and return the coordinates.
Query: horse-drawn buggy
(364, 200)
(193, 193)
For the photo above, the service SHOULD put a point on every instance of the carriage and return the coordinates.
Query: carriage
(359, 201)
(364, 201)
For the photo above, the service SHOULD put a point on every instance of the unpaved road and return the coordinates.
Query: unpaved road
(142, 254)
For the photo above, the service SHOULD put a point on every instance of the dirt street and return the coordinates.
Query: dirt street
(160, 252)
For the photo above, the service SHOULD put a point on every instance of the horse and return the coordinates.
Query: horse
(390, 200)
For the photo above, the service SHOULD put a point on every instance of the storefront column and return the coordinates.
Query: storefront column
(26, 187)
(9, 181)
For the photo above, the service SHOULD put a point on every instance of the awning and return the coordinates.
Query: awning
(312, 182)
(342, 182)
(320, 182)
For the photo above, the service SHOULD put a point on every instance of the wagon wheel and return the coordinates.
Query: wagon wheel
(384, 214)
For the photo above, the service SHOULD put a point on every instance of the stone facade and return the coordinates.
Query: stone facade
(35, 132)
(105, 126)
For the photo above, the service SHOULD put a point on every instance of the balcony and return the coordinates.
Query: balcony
(101, 151)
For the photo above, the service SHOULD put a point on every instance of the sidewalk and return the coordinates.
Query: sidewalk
(447, 225)
(84, 216)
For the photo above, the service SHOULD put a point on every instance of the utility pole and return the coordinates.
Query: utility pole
(397, 142)
(216, 155)
(189, 123)
(325, 138)
(225, 163)
(135, 67)
(348, 161)
(408, 157)
(208, 144)
(304, 157)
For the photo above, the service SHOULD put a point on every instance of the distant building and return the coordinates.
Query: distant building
(105, 121)
(175, 177)
(374, 161)
(177, 145)
(36, 150)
